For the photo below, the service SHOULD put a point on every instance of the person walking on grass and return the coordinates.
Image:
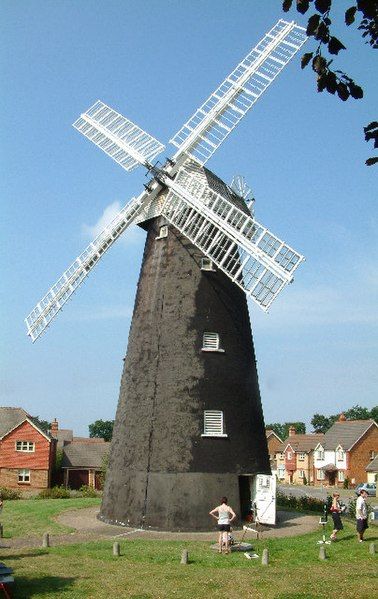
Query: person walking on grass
(224, 514)
(336, 510)
(361, 515)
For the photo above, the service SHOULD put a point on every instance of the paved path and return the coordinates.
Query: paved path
(89, 528)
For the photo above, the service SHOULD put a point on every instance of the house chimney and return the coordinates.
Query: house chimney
(292, 431)
(54, 428)
(342, 418)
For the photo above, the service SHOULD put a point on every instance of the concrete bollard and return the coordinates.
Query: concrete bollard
(184, 556)
(46, 540)
(265, 557)
(322, 552)
(372, 548)
(116, 549)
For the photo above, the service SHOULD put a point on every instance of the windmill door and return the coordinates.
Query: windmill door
(264, 498)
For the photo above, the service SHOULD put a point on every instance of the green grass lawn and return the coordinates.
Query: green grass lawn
(151, 570)
(33, 517)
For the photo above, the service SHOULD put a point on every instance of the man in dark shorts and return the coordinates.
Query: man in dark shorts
(361, 515)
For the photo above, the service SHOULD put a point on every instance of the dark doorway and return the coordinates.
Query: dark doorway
(245, 496)
(77, 478)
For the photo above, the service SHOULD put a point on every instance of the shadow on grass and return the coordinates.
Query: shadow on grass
(29, 587)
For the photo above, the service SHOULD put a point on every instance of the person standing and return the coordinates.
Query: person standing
(361, 515)
(224, 514)
(336, 510)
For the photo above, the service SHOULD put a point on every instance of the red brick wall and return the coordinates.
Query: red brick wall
(39, 462)
(290, 464)
(273, 445)
(359, 457)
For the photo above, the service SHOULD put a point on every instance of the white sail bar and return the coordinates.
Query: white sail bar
(255, 259)
(49, 306)
(203, 133)
(126, 143)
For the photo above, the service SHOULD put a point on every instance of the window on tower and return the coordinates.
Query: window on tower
(163, 232)
(211, 342)
(213, 424)
(207, 264)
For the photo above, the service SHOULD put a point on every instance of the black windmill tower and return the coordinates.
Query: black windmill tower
(189, 424)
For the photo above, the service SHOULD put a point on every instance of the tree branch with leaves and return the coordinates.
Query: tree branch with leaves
(319, 27)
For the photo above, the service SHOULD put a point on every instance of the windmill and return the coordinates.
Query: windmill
(189, 422)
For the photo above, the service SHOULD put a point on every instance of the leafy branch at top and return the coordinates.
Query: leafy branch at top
(319, 28)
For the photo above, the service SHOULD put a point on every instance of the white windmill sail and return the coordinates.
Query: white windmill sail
(209, 126)
(250, 255)
(122, 140)
(49, 306)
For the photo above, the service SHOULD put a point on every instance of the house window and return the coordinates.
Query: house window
(281, 472)
(213, 424)
(25, 446)
(320, 454)
(281, 456)
(320, 474)
(301, 474)
(24, 476)
(371, 455)
(340, 455)
(163, 232)
(301, 457)
(341, 476)
(289, 455)
(207, 264)
(211, 342)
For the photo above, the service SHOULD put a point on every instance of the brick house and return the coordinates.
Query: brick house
(82, 458)
(274, 443)
(27, 453)
(83, 462)
(345, 452)
(372, 470)
(295, 457)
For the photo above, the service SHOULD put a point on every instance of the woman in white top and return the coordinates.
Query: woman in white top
(224, 514)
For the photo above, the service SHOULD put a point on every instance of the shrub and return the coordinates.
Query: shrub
(86, 491)
(58, 492)
(346, 483)
(301, 504)
(11, 494)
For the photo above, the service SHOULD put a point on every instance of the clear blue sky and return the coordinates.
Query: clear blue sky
(303, 153)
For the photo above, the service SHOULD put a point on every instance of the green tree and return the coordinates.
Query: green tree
(282, 430)
(42, 424)
(277, 428)
(374, 413)
(357, 413)
(103, 429)
(321, 423)
(319, 27)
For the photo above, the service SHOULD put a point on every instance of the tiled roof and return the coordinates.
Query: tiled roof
(84, 455)
(303, 442)
(10, 418)
(346, 433)
(373, 465)
(269, 432)
(63, 435)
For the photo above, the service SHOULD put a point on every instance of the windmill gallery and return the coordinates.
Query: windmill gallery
(189, 422)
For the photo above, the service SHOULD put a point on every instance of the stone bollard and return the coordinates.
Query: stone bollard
(46, 540)
(1, 531)
(116, 549)
(372, 548)
(322, 552)
(184, 556)
(265, 557)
